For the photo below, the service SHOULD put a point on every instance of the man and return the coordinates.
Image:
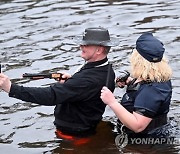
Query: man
(78, 107)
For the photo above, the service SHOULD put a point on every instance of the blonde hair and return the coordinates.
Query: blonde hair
(149, 71)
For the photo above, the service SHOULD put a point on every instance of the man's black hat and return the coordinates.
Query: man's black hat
(96, 36)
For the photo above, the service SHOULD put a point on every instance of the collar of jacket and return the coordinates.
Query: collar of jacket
(96, 64)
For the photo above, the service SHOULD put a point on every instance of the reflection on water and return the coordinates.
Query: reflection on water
(35, 36)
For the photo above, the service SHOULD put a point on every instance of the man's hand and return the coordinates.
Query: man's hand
(65, 76)
(5, 83)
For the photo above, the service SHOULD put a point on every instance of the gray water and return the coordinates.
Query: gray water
(35, 36)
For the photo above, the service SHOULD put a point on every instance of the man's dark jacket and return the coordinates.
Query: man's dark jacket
(78, 104)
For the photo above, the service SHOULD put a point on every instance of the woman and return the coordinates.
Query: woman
(144, 106)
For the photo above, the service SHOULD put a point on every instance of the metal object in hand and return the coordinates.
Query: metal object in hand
(123, 76)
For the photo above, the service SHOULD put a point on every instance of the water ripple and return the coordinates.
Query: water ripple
(36, 36)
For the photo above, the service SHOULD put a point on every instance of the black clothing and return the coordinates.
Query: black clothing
(151, 99)
(78, 104)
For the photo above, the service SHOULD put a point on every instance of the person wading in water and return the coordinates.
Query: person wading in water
(78, 107)
(144, 107)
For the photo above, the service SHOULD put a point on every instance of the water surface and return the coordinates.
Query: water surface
(35, 36)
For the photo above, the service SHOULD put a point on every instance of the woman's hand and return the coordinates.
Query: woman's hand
(5, 83)
(134, 121)
(122, 84)
(107, 96)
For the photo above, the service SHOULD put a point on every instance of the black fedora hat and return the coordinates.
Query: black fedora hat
(96, 36)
